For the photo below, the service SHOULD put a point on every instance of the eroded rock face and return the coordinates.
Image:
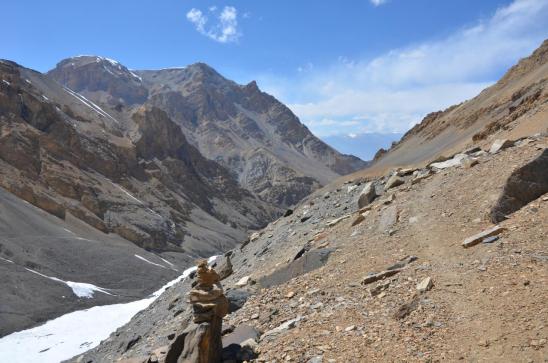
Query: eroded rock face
(524, 185)
(65, 155)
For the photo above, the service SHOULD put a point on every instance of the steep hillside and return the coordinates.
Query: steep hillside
(259, 140)
(515, 106)
(390, 281)
(402, 265)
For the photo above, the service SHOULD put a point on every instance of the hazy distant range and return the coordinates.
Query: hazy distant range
(363, 146)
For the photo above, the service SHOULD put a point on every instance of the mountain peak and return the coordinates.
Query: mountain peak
(93, 73)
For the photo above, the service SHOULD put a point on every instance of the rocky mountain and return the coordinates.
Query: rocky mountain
(515, 106)
(393, 264)
(155, 168)
(138, 180)
(254, 136)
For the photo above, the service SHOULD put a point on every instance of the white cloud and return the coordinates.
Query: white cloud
(392, 92)
(378, 2)
(225, 30)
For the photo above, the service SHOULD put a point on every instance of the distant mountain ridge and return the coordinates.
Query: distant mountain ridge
(363, 145)
(258, 139)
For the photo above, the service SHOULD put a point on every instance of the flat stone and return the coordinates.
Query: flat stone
(379, 276)
(290, 324)
(241, 334)
(309, 261)
(243, 281)
(477, 238)
(337, 220)
(359, 218)
(389, 217)
(455, 161)
(500, 144)
(425, 285)
(490, 239)
(316, 359)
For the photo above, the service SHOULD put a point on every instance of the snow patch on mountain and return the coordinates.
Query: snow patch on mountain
(74, 333)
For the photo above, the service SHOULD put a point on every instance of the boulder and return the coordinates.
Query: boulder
(393, 182)
(223, 266)
(523, 186)
(236, 299)
(288, 212)
(367, 195)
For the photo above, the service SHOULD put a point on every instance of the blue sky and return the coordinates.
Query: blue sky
(344, 67)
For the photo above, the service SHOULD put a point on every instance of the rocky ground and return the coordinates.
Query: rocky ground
(487, 303)
(389, 280)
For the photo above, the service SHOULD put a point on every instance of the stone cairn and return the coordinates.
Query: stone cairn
(207, 297)
(201, 340)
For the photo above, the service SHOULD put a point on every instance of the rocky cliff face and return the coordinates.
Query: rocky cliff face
(259, 140)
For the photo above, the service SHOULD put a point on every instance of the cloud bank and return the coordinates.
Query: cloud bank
(392, 92)
(225, 28)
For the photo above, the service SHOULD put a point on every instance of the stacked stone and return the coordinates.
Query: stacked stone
(207, 297)
(201, 342)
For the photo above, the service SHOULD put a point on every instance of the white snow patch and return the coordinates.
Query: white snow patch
(128, 193)
(148, 261)
(166, 261)
(6, 82)
(89, 103)
(80, 289)
(74, 333)
(45, 98)
(5, 259)
(29, 82)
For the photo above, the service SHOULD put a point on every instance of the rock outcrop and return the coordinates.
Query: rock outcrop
(524, 185)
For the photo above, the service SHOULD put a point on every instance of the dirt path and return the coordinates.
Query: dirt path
(488, 303)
